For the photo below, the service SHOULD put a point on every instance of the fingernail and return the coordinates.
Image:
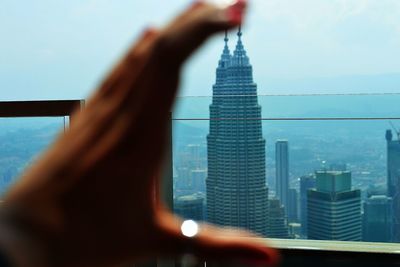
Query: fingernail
(235, 12)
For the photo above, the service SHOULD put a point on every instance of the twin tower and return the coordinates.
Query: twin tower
(237, 194)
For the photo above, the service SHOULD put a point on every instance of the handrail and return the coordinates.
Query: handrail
(47, 108)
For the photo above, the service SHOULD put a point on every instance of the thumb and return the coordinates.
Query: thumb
(220, 245)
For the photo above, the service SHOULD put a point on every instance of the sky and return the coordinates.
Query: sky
(62, 49)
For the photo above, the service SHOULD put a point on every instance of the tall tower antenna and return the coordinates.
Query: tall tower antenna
(395, 129)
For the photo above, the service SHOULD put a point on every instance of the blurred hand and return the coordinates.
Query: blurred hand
(91, 200)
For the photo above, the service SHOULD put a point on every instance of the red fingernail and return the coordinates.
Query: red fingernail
(236, 11)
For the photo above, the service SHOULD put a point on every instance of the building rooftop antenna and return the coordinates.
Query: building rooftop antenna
(395, 129)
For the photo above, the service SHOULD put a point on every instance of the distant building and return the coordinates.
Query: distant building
(183, 181)
(334, 209)
(198, 182)
(197, 159)
(377, 219)
(376, 190)
(282, 172)
(295, 230)
(393, 180)
(277, 223)
(237, 194)
(292, 206)
(338, 167)
(190, 207)
(306, 183)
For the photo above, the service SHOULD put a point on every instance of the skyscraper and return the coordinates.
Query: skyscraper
(393, 180)
(237, 194)
(377, 219)
(190, 207)
(306, 183)
(292, 213)
(277, 223)
(334, 209)
(282, 172)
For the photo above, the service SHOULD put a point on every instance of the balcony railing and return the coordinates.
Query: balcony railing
(355, 125)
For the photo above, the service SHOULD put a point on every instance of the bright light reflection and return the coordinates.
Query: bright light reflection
(190, 228)
(222, 3)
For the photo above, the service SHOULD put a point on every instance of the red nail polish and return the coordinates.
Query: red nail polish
(236, 11)
(235, 15)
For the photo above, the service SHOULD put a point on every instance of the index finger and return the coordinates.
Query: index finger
(185, 34)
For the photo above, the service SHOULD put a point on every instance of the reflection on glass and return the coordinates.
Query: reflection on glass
(21, 141)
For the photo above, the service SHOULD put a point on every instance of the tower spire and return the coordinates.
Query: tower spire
(224, 61)
(239, 55)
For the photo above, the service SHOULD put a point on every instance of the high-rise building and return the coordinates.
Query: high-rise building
(338, 167)
(190, 207)
(277, 223)
(377, 219)
(292, 204)
(393, 180)
(334, 209)
(237, 194)
(282, 172)
(294, 230)
(306, 183)
(199, 180)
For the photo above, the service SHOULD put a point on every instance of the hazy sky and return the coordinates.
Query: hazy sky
(61, 49)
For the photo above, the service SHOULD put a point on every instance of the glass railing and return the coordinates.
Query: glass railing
(21, 141)
(326, 162)
(27, 128)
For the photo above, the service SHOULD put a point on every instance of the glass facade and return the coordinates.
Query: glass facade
(334, 209)
(237, 195)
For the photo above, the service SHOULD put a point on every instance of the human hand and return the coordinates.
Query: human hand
(92, 199)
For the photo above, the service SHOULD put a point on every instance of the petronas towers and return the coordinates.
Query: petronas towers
(237, 194)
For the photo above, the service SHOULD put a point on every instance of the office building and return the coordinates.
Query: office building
(198, 180)
(334, 209)
(306, 183)
(282, 172)
(393, 180)
(292, 209)
(377, 219)
(190, 207)
(277, 223)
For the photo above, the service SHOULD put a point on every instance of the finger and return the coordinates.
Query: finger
(175, 43)
(216, 244)
(184, 35)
